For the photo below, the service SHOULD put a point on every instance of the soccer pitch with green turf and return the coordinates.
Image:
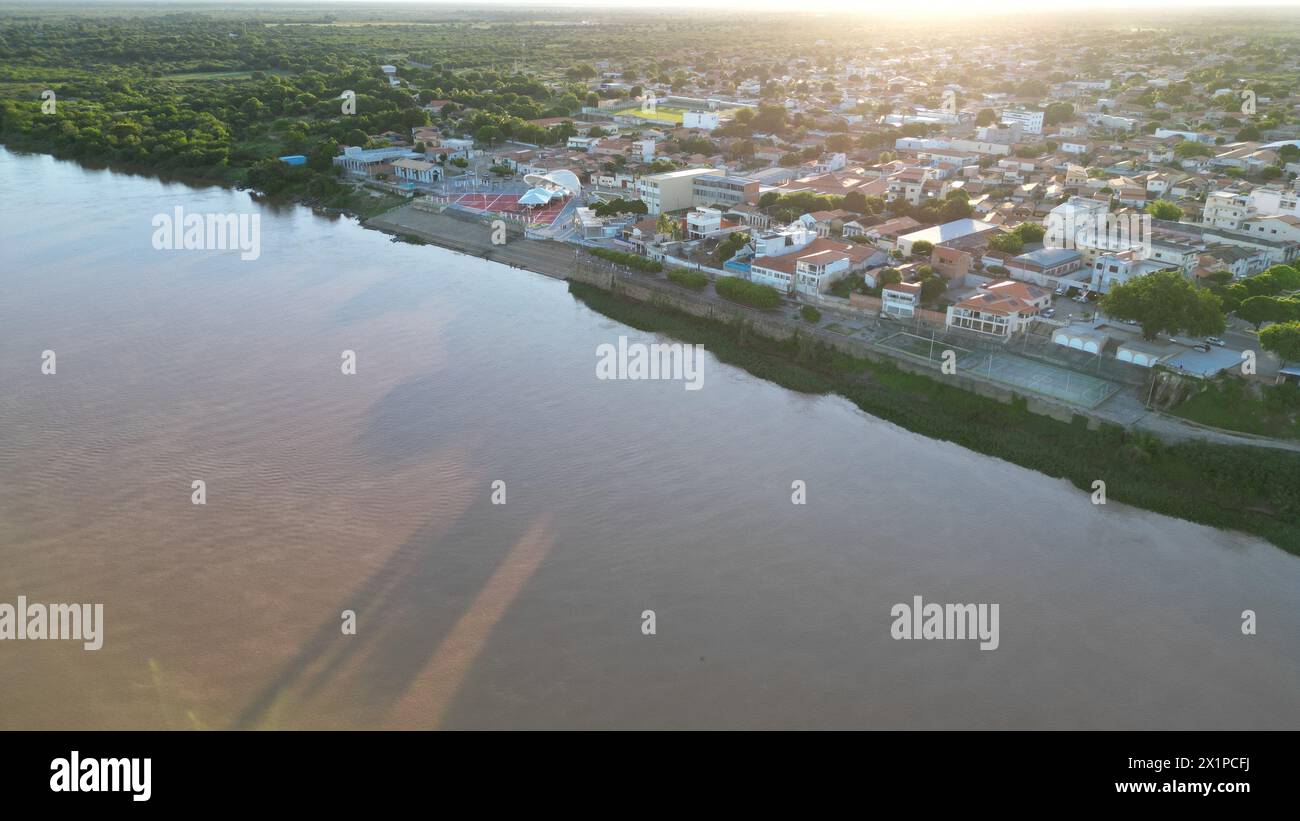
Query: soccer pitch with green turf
(662, 112)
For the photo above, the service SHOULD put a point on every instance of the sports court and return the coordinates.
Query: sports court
(493, 203)
(1007, 368)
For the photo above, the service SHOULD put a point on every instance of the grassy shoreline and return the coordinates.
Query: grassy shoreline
(1253, 490)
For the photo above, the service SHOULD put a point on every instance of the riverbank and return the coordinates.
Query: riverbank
(1232, 487)
(470, 235)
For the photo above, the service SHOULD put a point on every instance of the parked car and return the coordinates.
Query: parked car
(1049, 313)
(1060, 291)
(1203, 348)
(1214, 340)
(1130, 322)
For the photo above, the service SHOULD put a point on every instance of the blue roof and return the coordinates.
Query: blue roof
(294, 159)
(1050, 256)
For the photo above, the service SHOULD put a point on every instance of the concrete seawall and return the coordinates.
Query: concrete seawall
(655, 292)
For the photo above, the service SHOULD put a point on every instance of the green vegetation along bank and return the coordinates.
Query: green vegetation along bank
(1254, 490)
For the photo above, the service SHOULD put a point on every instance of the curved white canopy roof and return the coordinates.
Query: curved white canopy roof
(535, 196)
(561, 179)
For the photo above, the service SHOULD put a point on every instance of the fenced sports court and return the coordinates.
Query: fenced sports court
(1006, 368)
(508, 204)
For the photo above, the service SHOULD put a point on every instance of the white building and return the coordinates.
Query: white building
(1283, 226)
(1118, 268)
(704, 120)
(900, 299)
(416, 170)
(1271, 201)
(670, 191)
(457, 148)
(703, 222)
(947, 232)
(1227, 209)
(815, 272)
(1031, 122)
(999, 309)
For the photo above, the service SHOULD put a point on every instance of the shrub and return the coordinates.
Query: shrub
(810, 314)
(633, 261)
(748, 293)
(694, 280)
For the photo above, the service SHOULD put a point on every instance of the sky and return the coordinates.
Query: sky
(864, 6)
(914, 7)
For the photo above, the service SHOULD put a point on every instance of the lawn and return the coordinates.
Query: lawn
(1272, 410)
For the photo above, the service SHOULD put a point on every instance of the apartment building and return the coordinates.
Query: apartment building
(719, 189)
(1119, 267)
(1031, 122)
(1227, 209)
(670, 191)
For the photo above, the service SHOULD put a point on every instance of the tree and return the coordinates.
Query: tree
(1286, 277)
(854, 201)
(1009, 242)
(488, 134)
(921, 248)
(1165, 301)
(1164, 210)
(987, 116)
(932, 286)
(729, 246)
(1187, 149)
(1260, 309)
(1282, 339)
(1058, 113)
(668, 226)
(839, 142)
(1030, 232)
(771, 119)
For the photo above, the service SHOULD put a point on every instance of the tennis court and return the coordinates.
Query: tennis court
(1007, 368)
(493, 203)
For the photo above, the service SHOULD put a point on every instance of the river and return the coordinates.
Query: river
(373, 493)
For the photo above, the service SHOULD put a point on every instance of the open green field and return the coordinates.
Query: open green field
(668, 113)
(662, 112)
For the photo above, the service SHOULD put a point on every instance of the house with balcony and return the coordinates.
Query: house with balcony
(815, 272)
(900, 299)
(999, 309)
